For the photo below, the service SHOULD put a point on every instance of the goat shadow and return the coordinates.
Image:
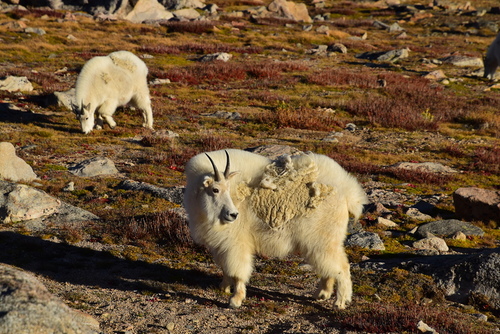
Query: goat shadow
(83, 266)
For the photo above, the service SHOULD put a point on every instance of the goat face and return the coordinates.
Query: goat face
(216, 197)
(86, 117)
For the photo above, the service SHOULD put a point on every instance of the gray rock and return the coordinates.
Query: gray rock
(173, 194)
(21, 202)
(65, 99)
(431, 167)
(448, 227)
(417, 215)
(12, 167)
(290, 10)
(38, 31)
(386, 56)
(473, 203)
(366, 240)
(186, 13)
(222, 56)
(26, 306)
(15, 84)
(463, 61)
(94, 167)
(432, 243)
(337, 47)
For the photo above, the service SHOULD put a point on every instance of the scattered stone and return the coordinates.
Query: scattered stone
(65, 99)
(148, 10)
(12, 167)
(26, 306)
(290, 10)
(225, 115)
(351, 127)
(222, 56)
(368, 240)
(37, 31)
(417, 215)
(459, 235)
(158, 81)
(432, 243)
(186, 13)
(463, 61)
(172, 194)
(430, 167)
(386, 56)
(323, 29)
(94, 167)
(337, 47)
(447, 227)
(69, 187)
(21, 202)
(386, 222)
(15, 84)
(165, 134)
(424, 328)
(473, 203)
(435, 75)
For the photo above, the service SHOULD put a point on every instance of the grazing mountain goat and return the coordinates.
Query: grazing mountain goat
(297, 203)
(105, 83)
(492, 59)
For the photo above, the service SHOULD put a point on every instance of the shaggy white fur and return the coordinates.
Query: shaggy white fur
(106, 83)
(295, 204)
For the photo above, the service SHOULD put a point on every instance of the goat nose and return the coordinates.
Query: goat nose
(234, 215)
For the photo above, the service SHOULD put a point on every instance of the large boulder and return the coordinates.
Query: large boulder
(21, 203)
(448, 227)
(290, 10)
(12, 167)
(473, 203)
(16, 84)
(26, 306)
(94, 167)
(148, 10)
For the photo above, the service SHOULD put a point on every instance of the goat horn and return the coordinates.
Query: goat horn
(228, 166)
(216, 171)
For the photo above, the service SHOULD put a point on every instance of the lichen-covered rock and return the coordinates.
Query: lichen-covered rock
(12, 167)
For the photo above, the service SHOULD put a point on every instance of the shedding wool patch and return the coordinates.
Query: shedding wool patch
(124, 63)
(288, 189)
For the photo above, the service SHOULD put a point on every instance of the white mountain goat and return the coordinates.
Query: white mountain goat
(105, 83)
(257, 206)
(492, 59)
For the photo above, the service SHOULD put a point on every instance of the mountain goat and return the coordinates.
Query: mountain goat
(105, 83)
(492, 59)
(258, 206)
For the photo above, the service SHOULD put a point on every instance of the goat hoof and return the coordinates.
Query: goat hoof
(322, 295)
(234, 303)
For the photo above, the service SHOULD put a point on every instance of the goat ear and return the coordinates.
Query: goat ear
(87, 107)
(208, 181)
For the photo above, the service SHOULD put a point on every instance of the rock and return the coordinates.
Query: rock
(424, 328)
(366, 240)
(448, 227)
(65, 99)
(15, 84)
(26, 306)
(473, 203)
(222, 56)
(435, 75)
(225, 114)
(459, 235)
(337, 47)
(388, 56)
(432, 243)
(463, 61)
(172, 194)
(179, 4)
(386, 222)
(69, 187)
(186, 13)
(290, 10)
(94, 167)
(158, 81)
(148, 10)
(12, 167)
(464, 277)
(430, 167)
(351, 127)
(20, 202)
(417, 215)
(37, 31)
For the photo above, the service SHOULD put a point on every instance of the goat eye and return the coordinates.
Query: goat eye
(215, 191)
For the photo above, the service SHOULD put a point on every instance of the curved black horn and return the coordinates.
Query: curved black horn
(228, 166)
(216, 171)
